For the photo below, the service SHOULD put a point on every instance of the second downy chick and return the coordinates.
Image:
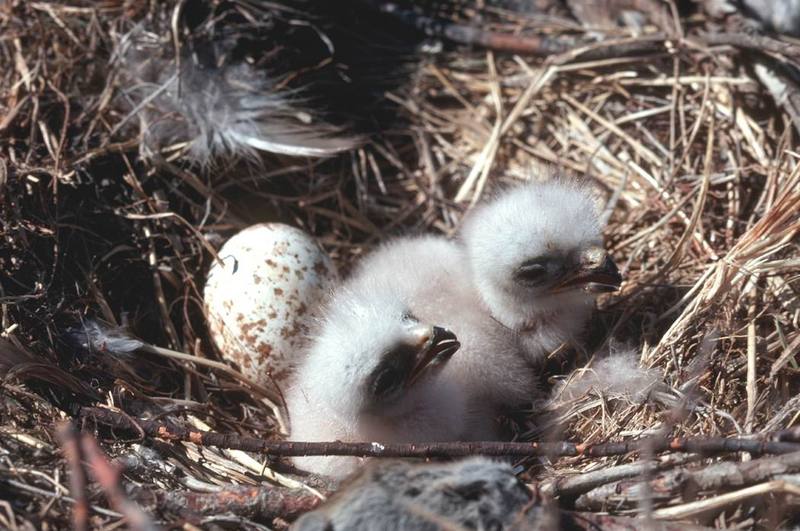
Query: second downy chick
(537, 259)
(433, 273)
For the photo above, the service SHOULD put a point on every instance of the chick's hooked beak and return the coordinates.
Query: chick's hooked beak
(435, 346)
(596, 273)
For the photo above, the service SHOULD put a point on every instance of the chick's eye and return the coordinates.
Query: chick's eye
(534, 272)
(386, 380)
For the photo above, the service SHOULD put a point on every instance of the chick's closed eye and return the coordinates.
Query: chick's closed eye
(390, 376)
(386, 380)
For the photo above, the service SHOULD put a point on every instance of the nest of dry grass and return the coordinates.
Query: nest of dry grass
(697, 160)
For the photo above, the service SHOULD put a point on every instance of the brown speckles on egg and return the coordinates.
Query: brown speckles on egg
(259, 317)
(264, 351)
(247, 327)
(320, 268)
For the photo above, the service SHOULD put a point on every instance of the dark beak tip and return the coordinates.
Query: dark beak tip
(608, 272)
(441, 347)
(441, 334)
(598, 278)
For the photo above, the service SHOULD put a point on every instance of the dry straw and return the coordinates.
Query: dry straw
(695, 159)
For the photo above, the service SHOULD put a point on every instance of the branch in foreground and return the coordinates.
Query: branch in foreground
(172, 432)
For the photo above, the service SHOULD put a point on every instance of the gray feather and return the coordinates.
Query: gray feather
(219, 111)
(94, 335)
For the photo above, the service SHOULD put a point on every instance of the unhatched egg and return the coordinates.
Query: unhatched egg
(261, 299)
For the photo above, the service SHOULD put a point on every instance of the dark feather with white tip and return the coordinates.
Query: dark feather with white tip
(213, 109)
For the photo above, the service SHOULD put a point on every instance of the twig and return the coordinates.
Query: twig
(471, 35)
(109, 478)
(752, 386)
(8, 484)
(788, 435)
(716, 503)
(565, 49)
(77, 479)
(580, 483)
(782, 88)
(757, 43)
(245, 501)
(605, 522)
(547, 46)
(170, 431)
(711, 478)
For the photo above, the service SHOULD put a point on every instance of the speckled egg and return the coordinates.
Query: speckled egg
(261, 299)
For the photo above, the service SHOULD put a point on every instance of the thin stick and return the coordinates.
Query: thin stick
(77, 477)
(109, 478)
(716, 503)
(241, 500)
(752, 388)
(471, 35)
(579, 483)
(172, 432)
(712, 478)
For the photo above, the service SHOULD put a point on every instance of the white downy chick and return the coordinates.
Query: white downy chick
(537, 260)
(373, 373)
(433, 274)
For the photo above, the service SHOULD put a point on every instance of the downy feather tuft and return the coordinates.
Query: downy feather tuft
(214, 109)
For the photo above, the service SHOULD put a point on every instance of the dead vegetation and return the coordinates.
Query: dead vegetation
(694, 148)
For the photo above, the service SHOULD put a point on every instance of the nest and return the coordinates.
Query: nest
(679, 125)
